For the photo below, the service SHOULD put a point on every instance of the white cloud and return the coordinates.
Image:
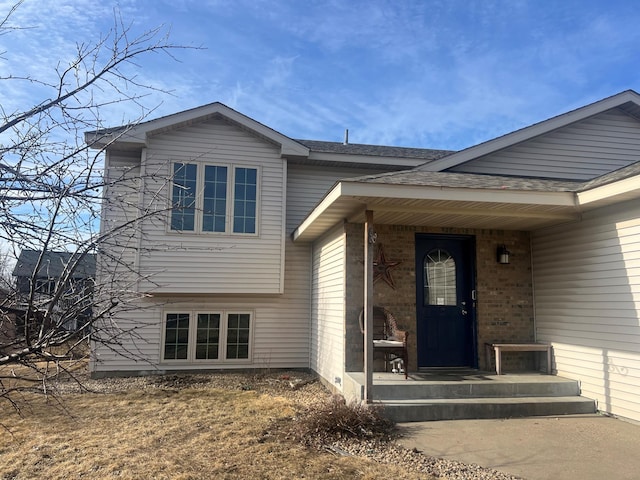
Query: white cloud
(279, 71)
(435, 74)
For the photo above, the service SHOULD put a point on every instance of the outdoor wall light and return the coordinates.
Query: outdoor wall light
(503, 254)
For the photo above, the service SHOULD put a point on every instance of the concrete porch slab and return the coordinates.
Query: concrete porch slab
(455, 376)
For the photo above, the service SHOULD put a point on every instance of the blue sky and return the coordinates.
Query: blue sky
(436, 74)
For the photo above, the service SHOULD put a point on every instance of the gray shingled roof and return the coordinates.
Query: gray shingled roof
(468, 180)
(473, 180)
(616, 175)
(374, 150)
(53, 264)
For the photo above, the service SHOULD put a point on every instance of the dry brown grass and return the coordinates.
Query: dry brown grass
(167, 433)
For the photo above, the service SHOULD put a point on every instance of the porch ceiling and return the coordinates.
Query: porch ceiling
(461, 208)
(441, 213)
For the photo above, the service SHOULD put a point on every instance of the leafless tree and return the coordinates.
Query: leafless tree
(51, 185)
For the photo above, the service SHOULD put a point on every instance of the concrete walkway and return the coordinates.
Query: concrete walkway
(576, 447)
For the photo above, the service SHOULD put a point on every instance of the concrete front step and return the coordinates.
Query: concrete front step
(467, 408)
(446, 395)
(534, 387)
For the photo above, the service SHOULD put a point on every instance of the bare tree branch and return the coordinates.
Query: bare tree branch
(52, 191)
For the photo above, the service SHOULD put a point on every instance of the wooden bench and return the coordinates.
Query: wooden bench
(516, 347)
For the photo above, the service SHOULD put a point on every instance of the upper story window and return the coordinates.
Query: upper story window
(244, 206)
(214, 201)
(203, 201)
(183, 197)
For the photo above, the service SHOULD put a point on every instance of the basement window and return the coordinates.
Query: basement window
(207, 336)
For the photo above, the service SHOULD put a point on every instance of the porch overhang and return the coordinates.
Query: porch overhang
(495, 208)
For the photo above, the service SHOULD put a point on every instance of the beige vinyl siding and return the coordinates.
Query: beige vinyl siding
(281, 330)
(587, 301)
(120, 219)
(581, 151)
(215, 263)
(134, 328)
(328, 307)
(308, 185)
(281, 335)
(280, 325)
(116, 261)
(121, 204)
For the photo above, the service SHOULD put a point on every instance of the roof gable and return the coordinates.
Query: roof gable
(627, 102)
(135, 136)
(580, 151)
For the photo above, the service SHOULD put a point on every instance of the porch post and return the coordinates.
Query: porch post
(369, 240)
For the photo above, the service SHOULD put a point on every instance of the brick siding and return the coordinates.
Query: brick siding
(504, 311)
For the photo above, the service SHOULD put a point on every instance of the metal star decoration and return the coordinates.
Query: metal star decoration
(382, 268)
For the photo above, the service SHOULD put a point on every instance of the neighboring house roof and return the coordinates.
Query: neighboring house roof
(53, 264)
(629, 101)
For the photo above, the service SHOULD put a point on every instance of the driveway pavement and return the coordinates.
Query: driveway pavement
(570, 447)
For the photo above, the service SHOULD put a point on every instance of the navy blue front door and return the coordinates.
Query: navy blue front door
(445, 282)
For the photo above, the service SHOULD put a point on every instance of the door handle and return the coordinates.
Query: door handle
(464, 312)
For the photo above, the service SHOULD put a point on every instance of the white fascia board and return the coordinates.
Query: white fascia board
(418, 192)
(367, 159)
(532, 131)
(334, 194)
(621, 190)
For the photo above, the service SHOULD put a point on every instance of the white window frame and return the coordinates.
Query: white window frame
(199, 207)
(193, 323)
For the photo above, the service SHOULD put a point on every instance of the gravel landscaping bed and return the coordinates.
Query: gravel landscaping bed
(303, 389)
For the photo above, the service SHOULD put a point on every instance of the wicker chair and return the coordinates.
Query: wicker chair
(387, 338)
